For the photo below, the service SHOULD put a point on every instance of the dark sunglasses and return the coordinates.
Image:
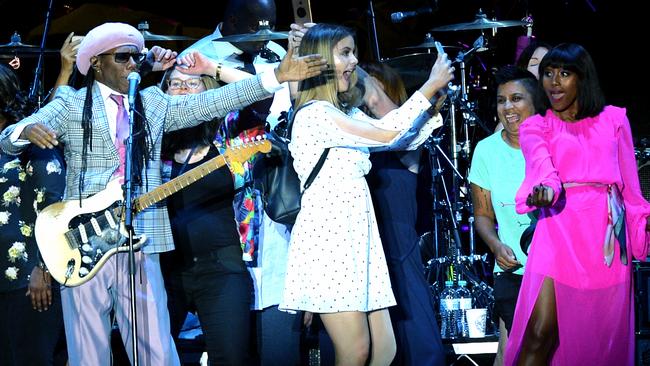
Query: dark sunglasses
(124, 57)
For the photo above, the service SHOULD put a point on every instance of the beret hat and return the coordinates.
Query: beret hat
(105, 37)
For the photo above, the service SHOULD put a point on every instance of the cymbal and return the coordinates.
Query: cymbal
(21, 49)
(148, 36)
(263, 34)
(17, 48)
(481, 22)
(143, 27)
(414, 68)
(428, 44)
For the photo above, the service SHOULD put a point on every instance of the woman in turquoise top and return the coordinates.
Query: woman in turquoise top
(497, 171)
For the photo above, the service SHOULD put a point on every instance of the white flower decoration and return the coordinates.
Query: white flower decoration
(16, 252)
(12, 195)
(4, 217)
(3, 180)
(53, 167)
(11, 273)
(22, 175)
(40, 195)
(25, 229)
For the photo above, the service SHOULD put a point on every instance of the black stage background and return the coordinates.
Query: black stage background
(614, 32)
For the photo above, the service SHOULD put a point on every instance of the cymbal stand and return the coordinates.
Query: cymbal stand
(35, 92)
(373, 35)
(460, 103)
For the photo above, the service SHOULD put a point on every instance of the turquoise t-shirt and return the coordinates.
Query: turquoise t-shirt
(500, 169)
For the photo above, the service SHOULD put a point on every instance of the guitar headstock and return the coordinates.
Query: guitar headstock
(247, 149)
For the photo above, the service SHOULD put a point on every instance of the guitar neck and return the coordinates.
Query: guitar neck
(165, 190)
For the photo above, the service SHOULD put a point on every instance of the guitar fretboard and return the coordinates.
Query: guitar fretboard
(165, 190)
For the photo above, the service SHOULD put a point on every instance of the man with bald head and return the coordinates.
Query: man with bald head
(90, 123)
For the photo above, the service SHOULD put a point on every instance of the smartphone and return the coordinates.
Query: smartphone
(302, 11)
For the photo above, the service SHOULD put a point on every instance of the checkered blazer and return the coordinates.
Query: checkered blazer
(163, 113)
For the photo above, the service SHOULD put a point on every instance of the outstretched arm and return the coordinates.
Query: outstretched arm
(291, 68)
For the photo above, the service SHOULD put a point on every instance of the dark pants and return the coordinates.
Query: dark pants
(29, 337)
(278, 337)
(506, 291)
(219, 288)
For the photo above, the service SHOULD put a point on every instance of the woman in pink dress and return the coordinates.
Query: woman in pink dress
(576, 303)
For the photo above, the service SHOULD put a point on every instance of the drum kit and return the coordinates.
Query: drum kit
(451, 204)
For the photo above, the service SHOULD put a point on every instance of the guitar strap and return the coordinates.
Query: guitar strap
(187, 160)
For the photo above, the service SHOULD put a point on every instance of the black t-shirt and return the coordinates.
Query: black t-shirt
(202, 216)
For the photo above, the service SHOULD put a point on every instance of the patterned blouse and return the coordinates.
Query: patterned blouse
(28, 183)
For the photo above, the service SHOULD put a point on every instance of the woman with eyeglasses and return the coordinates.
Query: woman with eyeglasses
(206, 273)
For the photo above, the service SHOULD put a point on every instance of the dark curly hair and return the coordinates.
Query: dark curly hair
(14, 104)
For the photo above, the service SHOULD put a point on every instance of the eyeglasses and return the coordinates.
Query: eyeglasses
(193, 83)
(124, 57)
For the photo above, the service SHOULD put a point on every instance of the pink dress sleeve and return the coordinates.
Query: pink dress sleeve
(534, 135)
(637, 208)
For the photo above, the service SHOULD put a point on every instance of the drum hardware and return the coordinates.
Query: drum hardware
(428, 43)
(480, 22)
(16, 48)
(374, 41)
(143, 27)
(263, 34)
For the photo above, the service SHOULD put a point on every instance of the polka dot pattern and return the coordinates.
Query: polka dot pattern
(336, 261)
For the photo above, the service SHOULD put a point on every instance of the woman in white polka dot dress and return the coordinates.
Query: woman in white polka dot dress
(336, 263)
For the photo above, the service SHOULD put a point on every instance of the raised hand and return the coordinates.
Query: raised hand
(441, 74)
(296, 33)
(294, 68)
(195, 63)
(160, 58)
(69, 52)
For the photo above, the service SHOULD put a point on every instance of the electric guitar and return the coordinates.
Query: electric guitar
(75, 241)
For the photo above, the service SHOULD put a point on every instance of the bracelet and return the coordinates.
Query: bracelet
(217, 75)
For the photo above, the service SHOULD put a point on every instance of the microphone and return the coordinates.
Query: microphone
(134, 81)
(399, 16)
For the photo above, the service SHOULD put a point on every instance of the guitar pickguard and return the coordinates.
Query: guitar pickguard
(94, 235)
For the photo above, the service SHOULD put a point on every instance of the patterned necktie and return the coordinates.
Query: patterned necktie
(122, 132)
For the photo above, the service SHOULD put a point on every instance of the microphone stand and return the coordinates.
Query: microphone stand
(35, 90)
(373, 35)
(128, 223)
